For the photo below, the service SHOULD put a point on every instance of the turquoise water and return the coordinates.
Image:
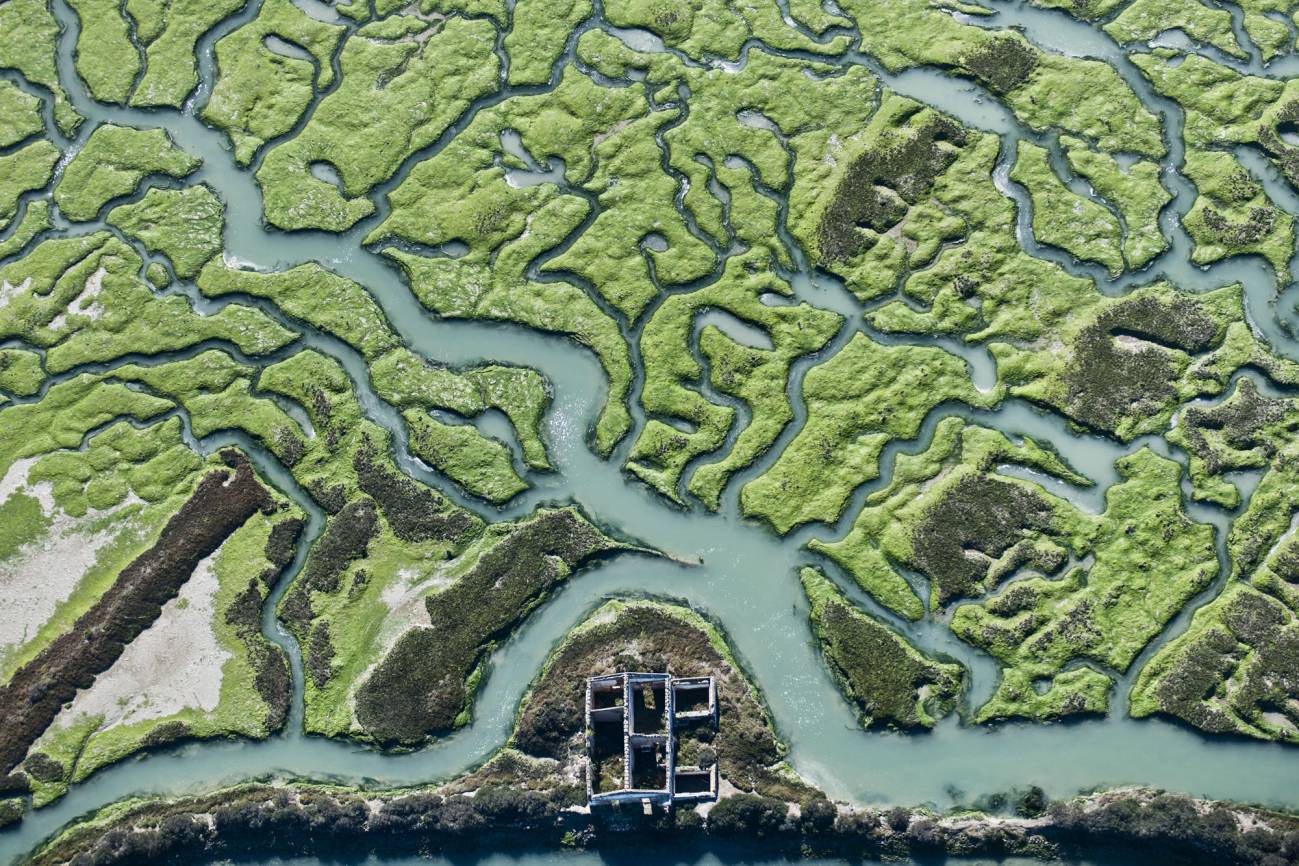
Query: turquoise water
(746, 579)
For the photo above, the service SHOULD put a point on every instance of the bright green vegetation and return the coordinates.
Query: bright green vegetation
(260, 93)
(971, 531)
(35, 219)
(944, 499)
(481, 465)
(1063, 218)
(716, 28)
(857, 401)
(398, 93)
(1135, 192)
(539, 36)
(1124, 365)
(28, 33)
(336, 305)
(456, 288)
(185, 225)
(1245, 431)
(82, 299)
(888, 680)
(169, 33)
(69, 411)
(1233, 216)
(1149, 560)
(1224, 107)
(644, 635)
(1143, 20)
(112, 163)
(756, 376)
(634, 198)
(106, 59)
(871, 205)
(20, 115)
(1232, 670)
(22, 171)
(1086, 98)
(20, 372)
(344, 309)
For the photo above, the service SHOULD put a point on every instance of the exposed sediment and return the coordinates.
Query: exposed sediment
(30, 701)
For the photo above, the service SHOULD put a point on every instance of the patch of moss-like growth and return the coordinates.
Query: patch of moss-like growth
(857, 401)
(889, 681)
(105, 58)
(1245, 431)
(948, 514)
(407, 381)
(398, 93)
(22, 171)
(67, 412)
(1224, 107)
(332, 303)
(29, 33)
(344, 308)
(538, 36)
(758, 376)
(20, 115)
(1124, 365)
(905, 148)
(635, 199)
(1143, 20)
(185, 225)
(1133, 190)
(82, 299)
(703, 29)
(501, 292)
(21, 372)
(169, 33)
(986, 287)
(624, 636)
(34, 221)
(261, 91)
(1268, 518)
(112, 163)
(1234, 669)
(1149, 559)
(461, 194)
(1086, 98)
(424, 685)
(1063, 218)
(481, 465)
(1232, 215)
(767, 124)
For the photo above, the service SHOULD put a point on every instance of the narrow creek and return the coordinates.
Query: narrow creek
(747, 578)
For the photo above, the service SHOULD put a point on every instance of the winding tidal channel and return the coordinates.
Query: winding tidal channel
(747, 578)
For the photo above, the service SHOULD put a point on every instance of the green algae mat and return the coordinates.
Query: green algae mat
(926, 372)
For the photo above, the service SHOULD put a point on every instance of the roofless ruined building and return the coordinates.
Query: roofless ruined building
(632, 721)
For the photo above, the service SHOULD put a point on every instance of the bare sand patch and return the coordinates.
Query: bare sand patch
(43, 573)
(174, 665)
(85, 304)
